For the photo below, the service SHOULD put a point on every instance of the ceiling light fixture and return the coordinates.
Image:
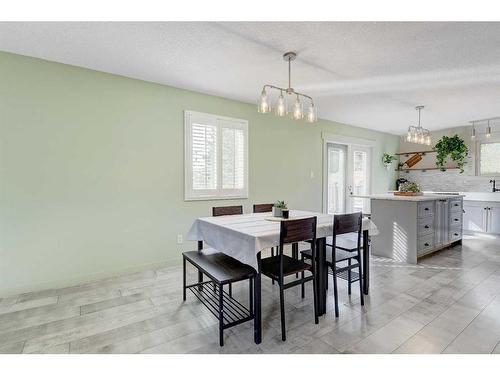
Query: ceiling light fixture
(487, 133)
(281, 108)
(418, 134)
(488, 130)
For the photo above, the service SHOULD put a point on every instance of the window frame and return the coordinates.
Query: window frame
(220, 122)
(479, 155)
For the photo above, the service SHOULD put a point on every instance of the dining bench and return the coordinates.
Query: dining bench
(220, 269)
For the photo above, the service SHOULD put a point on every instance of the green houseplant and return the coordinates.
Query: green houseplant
(453, 147)
(387, 159)
(278, 208)
(409, 187)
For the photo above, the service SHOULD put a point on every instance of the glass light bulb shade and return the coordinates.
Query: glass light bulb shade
(297, 113)
(488, 132)
(281, 108)
(428, 140)
(263, 106)
(473, 134)
(312, 114)
(409, 134)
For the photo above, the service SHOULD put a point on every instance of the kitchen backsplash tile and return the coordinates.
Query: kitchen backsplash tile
(451, 180)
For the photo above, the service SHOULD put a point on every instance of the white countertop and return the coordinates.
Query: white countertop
(480, 196)
(431, 195)
(416, 198)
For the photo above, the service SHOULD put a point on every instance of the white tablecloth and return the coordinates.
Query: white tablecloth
(244, 236)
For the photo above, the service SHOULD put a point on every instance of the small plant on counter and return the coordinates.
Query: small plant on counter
(453, 147)
(409, 187)
(387, 159)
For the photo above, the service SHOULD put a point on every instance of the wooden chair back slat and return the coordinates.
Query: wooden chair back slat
(293, 231)
(227, 210)
(347, 223)
(264, 207)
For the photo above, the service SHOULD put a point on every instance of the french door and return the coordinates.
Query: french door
(347, 175)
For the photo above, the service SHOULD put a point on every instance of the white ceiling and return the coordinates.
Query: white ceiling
(369, 74)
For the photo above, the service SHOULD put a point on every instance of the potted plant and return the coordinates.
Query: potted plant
(453, 147)
(408, 189)
(387, 159)
(278, 208)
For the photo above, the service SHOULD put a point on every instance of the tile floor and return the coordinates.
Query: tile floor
(448, 303)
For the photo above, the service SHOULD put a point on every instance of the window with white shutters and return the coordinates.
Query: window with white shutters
(216, 157)
(488, 159)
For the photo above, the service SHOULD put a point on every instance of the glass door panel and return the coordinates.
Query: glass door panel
(359, 184)
(336, 175)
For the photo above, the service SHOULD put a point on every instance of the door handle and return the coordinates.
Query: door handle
(426, 227)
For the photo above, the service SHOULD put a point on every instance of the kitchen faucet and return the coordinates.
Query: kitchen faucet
(494, 189)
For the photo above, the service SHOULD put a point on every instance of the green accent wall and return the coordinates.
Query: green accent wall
(91, 171)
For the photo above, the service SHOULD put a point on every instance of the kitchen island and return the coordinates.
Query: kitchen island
(414, 226)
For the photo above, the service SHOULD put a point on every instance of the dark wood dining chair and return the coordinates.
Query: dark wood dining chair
(263, 207)
(281, 265)
(227, 210)
(268, 207)
(341, 249)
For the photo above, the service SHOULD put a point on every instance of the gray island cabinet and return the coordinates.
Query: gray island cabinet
(411, 227)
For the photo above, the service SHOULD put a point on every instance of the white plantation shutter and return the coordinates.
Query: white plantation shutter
(204, 156)
(216, 157)
(233, 157)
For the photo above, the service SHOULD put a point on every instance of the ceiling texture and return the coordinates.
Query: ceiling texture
(368, 74)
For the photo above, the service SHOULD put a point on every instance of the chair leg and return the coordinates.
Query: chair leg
(272, 254)
(231, 290)
(315, 298)
(282, 308)
(183, 278)
(361, 293)
(349, 277)
(335, 292)
(303, 291)
(221, 316)
(296, 255)
(250, 293)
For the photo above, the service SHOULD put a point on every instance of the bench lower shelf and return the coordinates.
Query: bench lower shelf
(233, 311)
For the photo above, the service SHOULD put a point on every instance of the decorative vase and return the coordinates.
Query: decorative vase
(277, 212)
(286, 213)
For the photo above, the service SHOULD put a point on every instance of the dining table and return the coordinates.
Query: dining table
(243, 237)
